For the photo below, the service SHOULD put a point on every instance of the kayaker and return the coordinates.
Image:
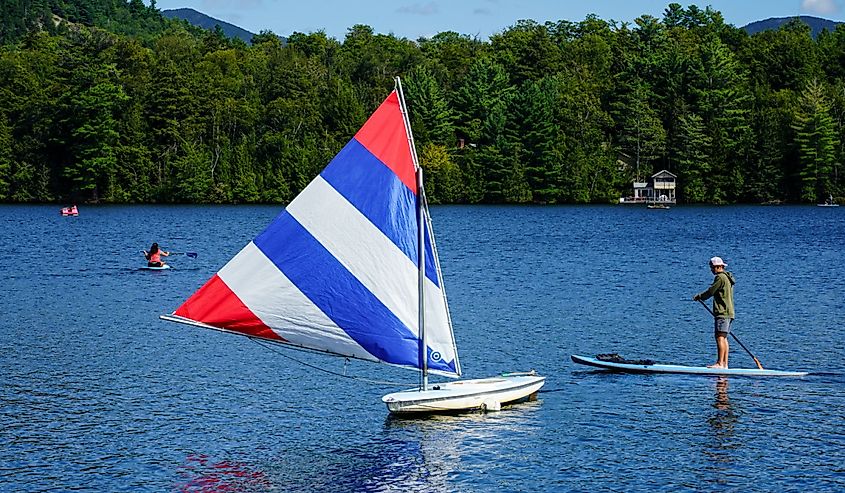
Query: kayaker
(723, 308)
(154, 256)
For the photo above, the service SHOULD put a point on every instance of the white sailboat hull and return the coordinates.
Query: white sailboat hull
(466, 395)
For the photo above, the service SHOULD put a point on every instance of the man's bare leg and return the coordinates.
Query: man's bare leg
(722, 351)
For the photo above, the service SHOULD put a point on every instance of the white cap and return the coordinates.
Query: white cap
(718, 261)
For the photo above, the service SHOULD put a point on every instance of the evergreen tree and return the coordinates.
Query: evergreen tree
(527, 50)
(531, 129)
(694, 162)
(770, 120)
(721, 99)
(5, 157)
(816, 139)
(94, 132)
(431, 116)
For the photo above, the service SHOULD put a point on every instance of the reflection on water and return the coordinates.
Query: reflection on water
(723, 421)
(427, 452)
(203, 475)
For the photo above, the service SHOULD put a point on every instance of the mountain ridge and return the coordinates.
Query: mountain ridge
(205, 21)
(817, 24)
(198, 19)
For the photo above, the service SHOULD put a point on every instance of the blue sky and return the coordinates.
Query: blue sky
(416, 18)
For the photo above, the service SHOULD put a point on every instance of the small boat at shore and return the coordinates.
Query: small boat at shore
(69, 211)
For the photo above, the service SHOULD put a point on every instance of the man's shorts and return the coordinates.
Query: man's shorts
(723, 326)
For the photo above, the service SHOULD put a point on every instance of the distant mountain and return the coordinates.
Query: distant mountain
(816, 24)
(201, 20)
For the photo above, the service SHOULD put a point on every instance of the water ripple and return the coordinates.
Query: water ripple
(99, 395)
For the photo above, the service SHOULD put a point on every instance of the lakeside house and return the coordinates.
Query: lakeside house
(659, 189)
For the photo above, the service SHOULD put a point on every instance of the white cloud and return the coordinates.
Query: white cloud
(429, 8)
(820, 6)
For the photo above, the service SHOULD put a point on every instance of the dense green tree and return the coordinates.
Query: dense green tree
(442, 175)
(431, 116)
(5, 157)
(783, 59)
(449, 56)
(93, 129)
(532, 130)
(771, 117)
(694, 163)
(721, 99)
(527, 50)
(816, 139)
(112, 102)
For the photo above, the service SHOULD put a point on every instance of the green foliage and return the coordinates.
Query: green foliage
(771, 118)
(531, 126)
(5, 157)
(817, 142)
(721, 99)
(442, 175)
(114, 103)
(694, 162)
(432, 117)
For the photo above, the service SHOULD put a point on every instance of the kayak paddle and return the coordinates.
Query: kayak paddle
(187, 254)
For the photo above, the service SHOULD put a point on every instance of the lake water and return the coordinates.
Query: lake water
(99, 395)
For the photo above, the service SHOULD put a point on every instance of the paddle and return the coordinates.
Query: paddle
(187, 254)
(760, 366)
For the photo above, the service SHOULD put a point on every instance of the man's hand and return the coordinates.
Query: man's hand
(696, 298)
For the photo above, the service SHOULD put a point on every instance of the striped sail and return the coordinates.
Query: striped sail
(337, 270)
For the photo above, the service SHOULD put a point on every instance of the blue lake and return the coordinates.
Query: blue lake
(97, 394)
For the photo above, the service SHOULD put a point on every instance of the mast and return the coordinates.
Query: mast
(420, 238)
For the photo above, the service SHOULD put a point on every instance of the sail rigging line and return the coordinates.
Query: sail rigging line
(385, 383)
(442, 284)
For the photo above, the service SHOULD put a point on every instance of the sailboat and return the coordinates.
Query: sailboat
(350, 268)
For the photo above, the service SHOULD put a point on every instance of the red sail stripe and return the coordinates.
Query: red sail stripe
(385, 137)
(215, 304)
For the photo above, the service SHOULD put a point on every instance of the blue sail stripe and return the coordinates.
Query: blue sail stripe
(348, 303)
(376, 191)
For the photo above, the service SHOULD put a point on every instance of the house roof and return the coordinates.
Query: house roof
(663, 172)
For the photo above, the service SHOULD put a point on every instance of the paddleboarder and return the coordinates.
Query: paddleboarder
(723, 308)
(154, 256)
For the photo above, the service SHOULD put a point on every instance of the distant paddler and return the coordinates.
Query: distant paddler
(154, 256)
(723, 308)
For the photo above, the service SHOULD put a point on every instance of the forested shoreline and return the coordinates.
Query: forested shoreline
(108, 102)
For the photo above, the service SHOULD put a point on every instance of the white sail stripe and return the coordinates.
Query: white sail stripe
(373, 259)
(274, 299)
(440, 340)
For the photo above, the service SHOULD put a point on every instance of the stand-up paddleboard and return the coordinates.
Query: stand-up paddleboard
(652, 367)
(163, 267)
